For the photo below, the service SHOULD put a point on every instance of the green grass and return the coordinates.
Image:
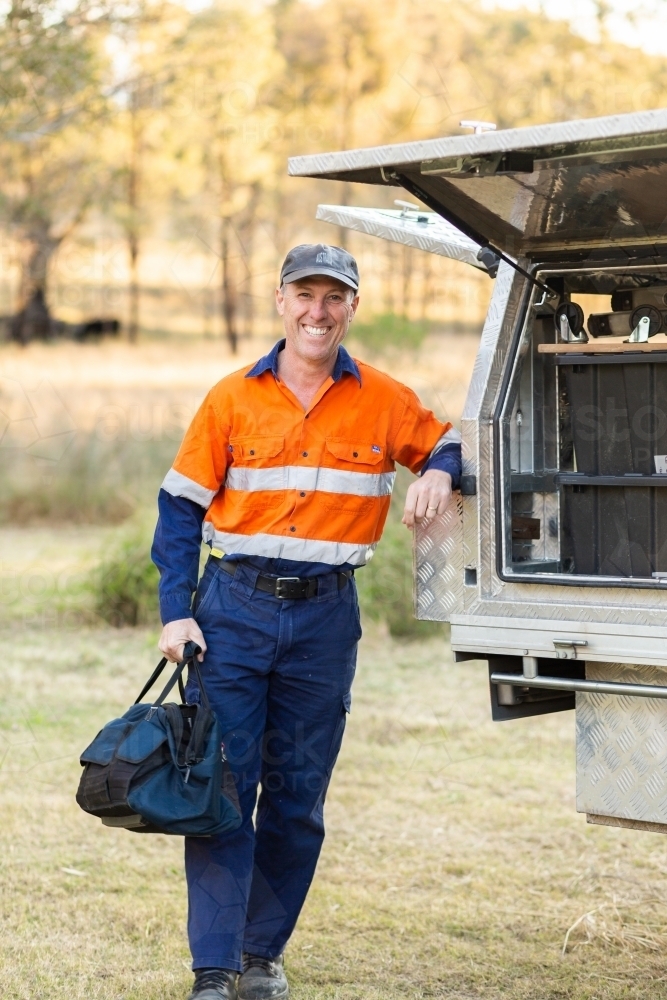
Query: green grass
(385, 583)
(387, 330)
(385, 587)
(453, 867)
(123, 586)
(93, 482)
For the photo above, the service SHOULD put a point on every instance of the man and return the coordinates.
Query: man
(286, 472)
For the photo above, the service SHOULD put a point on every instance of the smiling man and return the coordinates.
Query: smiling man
(286, 472)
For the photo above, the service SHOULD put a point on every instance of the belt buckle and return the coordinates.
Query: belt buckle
(283, 585)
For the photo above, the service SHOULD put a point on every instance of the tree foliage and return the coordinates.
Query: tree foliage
(168, 120)
(53, 90)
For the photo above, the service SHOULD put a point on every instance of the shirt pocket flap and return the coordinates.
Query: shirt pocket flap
(256, 447)
(355, 451)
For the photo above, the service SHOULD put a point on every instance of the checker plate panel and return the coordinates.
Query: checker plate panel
(438, 564)
(622, 747)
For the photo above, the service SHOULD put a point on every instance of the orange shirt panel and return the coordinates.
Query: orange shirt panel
(247, 424)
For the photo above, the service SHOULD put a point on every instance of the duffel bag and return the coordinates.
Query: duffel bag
(161, 768)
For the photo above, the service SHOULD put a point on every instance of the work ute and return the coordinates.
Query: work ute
(551, 563)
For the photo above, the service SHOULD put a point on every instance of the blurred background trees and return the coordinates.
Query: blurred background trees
(144, 145)
(54, 100)
(143, 155)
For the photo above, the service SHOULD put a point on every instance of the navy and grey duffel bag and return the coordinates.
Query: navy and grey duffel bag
(162, 768)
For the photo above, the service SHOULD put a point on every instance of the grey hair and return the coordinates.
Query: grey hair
(347, 287)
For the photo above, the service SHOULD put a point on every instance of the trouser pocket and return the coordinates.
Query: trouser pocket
(337, 738)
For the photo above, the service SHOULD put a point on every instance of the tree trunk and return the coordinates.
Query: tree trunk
(427, 274)
(347, 128)
(229, 303)
(248, 239)
(343, 232)
(407, 262)
(229, 292)
(389, 276)
(133, 327)
(133, 197)
(33, 319)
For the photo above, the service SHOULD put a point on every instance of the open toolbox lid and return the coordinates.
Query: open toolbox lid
(536, 192)
(412, 226)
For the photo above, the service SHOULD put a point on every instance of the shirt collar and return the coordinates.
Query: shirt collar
(344, 363)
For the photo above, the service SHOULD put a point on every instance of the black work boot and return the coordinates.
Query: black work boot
(262, 979)
(214, 984)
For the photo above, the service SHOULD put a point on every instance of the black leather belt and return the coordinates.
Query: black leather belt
(286, 588)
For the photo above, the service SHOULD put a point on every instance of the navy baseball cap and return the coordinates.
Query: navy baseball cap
(318, 258)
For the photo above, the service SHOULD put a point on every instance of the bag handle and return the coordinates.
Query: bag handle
(152, 679)
(190, 652)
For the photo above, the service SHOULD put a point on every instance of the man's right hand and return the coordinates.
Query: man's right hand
(176, 634)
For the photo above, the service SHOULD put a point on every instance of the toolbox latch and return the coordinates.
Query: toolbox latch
(567, 648)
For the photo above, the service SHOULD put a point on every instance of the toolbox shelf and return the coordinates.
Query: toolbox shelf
(630, 479)
(583, 434)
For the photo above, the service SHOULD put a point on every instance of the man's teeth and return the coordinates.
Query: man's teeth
(315, 331)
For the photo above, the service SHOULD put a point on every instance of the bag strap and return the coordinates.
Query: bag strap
(175, 718)
(190, 652)
(195, 750)
(152, 679)
(180, 667)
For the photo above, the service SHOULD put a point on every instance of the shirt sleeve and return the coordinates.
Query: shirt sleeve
(186, 494)
(421, 441)
(175, 552)
(200, 465)
(446, 457)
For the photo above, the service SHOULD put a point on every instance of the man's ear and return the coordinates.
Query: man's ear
(280, 301)
(354, 305)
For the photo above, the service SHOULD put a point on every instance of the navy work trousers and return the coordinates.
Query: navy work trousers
(278, 675)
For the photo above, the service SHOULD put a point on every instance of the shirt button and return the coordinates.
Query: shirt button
(302, 494)
(355, 454)
(292, 528)
(252, 451)
(305, 454)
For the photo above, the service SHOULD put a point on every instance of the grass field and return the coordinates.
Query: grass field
(455, 865)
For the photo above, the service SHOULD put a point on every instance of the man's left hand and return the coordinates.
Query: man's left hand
(427, 496)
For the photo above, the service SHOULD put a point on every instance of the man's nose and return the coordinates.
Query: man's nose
(318, 310)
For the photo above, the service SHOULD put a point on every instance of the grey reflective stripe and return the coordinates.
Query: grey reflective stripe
(301, 477)
(452, 436)
(180, 486)
(279, 547)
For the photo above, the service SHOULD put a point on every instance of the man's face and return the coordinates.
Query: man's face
(316, 315)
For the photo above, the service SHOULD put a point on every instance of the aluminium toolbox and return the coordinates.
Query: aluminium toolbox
(551, 564)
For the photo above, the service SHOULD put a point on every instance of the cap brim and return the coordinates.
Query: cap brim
(309, 272)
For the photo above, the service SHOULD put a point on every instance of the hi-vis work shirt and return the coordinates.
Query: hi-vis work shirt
(292, 492)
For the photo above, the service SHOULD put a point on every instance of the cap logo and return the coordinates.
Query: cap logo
(324, 257)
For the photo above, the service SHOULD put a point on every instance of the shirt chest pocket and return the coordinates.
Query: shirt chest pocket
(355, 452)
(255, 448)
(256, 476)
(355, 479)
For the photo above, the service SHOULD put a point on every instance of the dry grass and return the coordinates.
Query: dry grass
(455, 865)
(147, 382)
(88, 432)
